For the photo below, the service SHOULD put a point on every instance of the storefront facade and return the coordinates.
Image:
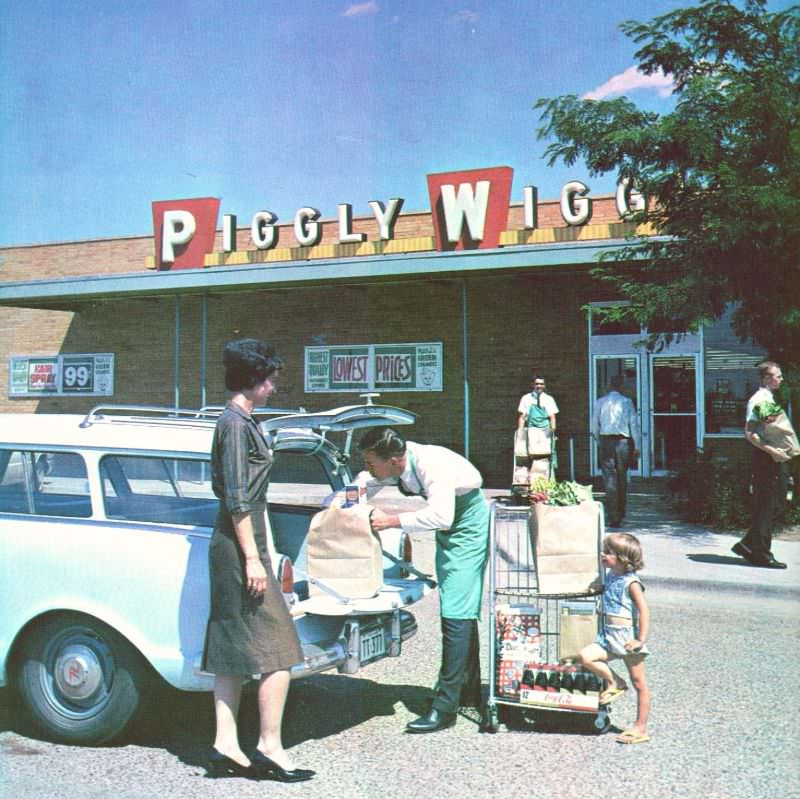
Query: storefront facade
(447, 313)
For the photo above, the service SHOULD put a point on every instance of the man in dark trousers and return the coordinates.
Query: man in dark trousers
(615, 425)
(456, 510)
(769, 476)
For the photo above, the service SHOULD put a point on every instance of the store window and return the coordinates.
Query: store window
(730, 377)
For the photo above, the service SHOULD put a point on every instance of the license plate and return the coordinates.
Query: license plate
(372, 645)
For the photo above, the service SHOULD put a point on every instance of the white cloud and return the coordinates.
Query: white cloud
(359, 9)
(630, 80)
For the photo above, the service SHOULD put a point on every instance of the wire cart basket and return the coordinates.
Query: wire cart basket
(533, 669)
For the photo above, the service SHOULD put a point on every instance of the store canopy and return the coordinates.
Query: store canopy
(72, 293)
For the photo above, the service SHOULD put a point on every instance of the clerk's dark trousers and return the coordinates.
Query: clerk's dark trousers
(461, 669)
(769, 495)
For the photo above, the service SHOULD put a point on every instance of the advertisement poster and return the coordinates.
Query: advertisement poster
(90, 374)
(374, 367)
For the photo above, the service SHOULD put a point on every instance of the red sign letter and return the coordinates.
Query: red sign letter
(470, 209)
(184, 231)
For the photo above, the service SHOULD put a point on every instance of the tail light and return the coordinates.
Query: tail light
(406, 552)
(286, 575)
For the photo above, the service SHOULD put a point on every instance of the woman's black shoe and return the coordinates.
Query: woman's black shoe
(220, 765)
(267, 769)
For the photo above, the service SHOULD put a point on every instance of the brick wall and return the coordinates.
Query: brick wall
(518, 323)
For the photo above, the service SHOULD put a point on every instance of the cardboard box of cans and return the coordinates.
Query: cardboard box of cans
(519, 641)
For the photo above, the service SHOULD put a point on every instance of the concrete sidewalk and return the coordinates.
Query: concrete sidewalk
(676, 553)
(689, 556)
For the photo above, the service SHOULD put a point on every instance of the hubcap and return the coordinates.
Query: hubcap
(78, 672)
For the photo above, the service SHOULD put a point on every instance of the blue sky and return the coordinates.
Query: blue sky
(107, 106)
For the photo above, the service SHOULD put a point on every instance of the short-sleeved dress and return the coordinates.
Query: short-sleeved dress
(244, 635)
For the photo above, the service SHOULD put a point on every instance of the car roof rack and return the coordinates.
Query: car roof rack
(157, 414)
(154, 414)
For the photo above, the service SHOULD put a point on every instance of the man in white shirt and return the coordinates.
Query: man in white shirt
(536, 417)
(769, 476)
(615, 426)
(538, 398)
(456, 510)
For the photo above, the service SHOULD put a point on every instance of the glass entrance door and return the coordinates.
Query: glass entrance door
(674, 419)
(604, 368)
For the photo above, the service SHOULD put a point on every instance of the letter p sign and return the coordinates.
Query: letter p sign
(184, 232)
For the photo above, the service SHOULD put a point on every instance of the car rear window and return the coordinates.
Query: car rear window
(42, 483)
(160, 490)
(298, 479)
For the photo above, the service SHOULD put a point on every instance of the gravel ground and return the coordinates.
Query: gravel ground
(724, 723)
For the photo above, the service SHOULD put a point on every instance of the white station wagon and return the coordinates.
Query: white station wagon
(105, 522)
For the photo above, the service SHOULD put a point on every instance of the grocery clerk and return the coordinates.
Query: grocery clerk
(537, 408)
(457, 511)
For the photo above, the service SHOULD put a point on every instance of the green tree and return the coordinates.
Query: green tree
(721, 172)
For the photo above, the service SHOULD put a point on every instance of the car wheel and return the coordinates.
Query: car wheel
(80, 680)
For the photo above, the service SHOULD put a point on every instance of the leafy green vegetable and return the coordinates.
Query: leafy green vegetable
(767, 409)
(552, 492)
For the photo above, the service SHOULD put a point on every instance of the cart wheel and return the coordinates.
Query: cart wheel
(602, 722)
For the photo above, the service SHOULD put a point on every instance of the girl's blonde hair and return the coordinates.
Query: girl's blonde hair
(627, 548)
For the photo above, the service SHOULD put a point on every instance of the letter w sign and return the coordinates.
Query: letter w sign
(470, 209)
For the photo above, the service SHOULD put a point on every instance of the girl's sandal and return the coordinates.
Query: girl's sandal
(633, 737)
(611, 694)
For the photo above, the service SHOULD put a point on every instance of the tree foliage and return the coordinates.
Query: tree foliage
(721, 171)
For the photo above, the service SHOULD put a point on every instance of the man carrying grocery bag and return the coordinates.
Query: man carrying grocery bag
(457, 511)
(769, 432)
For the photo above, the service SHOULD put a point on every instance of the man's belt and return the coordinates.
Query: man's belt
(613, 436)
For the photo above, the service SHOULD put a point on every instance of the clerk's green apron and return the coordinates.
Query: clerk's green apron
(538, 416)
(461, 555)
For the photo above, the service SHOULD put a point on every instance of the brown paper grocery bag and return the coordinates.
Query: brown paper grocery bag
(576, 631)
(540, 441)
(565, 541)
(520, 443)
(344, 553)
(780, 434)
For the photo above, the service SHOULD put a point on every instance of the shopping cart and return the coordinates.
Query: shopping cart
(534, 637)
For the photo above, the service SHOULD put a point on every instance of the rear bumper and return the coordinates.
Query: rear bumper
(346, 654)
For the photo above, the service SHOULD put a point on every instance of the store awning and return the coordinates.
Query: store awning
(72, 293)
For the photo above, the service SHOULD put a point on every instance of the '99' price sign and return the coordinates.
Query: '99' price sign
(77, 376)
(90, 374)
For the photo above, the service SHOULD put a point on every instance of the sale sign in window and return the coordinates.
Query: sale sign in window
(374, 367)
(89, 374)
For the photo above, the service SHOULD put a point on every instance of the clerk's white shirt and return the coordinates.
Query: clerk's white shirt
(614, 415)
(441, 475)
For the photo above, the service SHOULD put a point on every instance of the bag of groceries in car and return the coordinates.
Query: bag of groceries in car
(343, 553)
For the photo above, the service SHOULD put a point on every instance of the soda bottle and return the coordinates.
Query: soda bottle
(540, 683)
(528, 678)
(579, 683)
(567, 678)
(554, 679)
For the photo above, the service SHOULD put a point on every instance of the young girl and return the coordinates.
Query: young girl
(626, 620)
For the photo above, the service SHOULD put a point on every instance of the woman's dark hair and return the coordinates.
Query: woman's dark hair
(249, 362)
(384, 442)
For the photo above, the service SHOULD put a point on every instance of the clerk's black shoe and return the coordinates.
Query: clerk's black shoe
(267, 769)
(435, 720)
(220, 766)
(741, 549)
(767, 563)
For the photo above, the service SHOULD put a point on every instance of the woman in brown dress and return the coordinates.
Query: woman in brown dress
(249, 630)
